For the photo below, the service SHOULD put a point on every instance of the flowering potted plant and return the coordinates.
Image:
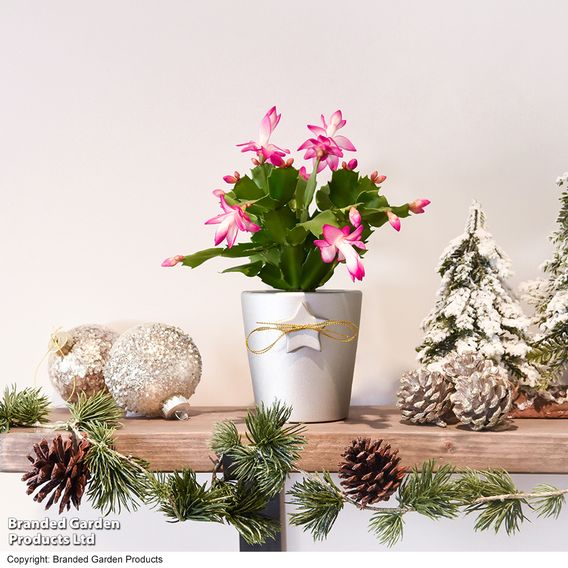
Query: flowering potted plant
(301, 342)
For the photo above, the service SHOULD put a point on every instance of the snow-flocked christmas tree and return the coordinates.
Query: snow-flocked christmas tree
(475, 310)
(550, 296)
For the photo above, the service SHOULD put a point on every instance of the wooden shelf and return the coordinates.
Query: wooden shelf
(529, 446)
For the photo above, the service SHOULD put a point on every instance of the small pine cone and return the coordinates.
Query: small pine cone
(455, 366)
(370, 471)
(59, 469)
(483, 399)
(424, 397)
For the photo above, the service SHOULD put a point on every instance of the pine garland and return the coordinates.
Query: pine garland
(431, 491)
(247, 472)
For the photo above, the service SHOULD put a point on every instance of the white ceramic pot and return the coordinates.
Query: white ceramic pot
(305, 369)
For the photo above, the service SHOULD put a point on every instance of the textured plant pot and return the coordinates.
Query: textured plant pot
(315, 382)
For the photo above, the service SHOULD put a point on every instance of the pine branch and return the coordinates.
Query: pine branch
(388, 526)
(254, 472)
(427, 491)
(548, 500)
(89, 411)
(551, 352)
(117, 481)
(225, 438)
(318, 501)
(271, 452)
(430, 492)
(25, 408)
(181, 498)
(494, 496)
(244, 513)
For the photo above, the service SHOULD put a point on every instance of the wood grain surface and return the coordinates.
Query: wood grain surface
(528, 446)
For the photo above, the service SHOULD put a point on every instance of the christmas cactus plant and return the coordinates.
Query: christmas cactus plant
(296, 244)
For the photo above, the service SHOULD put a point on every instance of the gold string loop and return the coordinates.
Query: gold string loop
(60, 342)
(320, 327)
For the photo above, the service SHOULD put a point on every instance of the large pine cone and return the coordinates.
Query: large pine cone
(483, 399)
(370, 471)
(424, 397)
(59, 468)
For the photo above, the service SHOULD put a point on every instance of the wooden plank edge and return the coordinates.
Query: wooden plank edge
(530, 453)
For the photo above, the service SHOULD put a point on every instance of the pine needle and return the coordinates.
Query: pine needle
(477, 487)
(271, 452)
(225, 437)
(181, 498)
(318, 501)
(25, 408)
(254, 473)
(430, 492)
(387, 526)
(245, 513)
(549, 506)
(99, 408)
(117, 481)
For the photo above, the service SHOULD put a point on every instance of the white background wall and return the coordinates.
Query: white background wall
(118, 119)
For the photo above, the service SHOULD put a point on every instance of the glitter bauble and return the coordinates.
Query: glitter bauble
(78, 358)
(153, 369)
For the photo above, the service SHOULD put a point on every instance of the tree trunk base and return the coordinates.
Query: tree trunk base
(553, 404)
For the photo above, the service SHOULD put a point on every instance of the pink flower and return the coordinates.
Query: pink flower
(303, 173)
(417, 206)
(376, 178)
(328, 146)
(328, 130)
(172, 261)
(323, 150)
(350, 165)
(232, 178)
(354, 217)
(394, 220)
(263, 148)
(339, 243)
(231, 221)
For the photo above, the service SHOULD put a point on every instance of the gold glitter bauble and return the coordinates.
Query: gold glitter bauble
(77, 365)
(153, 369)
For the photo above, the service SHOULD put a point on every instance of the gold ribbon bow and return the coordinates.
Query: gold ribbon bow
(286, 328)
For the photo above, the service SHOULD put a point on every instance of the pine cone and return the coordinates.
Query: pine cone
(59, 468)
(370, 471)
(455, 366)
(424, 397)
(483, 399)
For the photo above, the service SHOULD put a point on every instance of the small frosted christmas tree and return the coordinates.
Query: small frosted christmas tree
(550, 297)
(475, 310)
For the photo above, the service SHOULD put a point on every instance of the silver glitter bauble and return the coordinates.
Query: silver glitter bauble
(78, 358)
(153, 369)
